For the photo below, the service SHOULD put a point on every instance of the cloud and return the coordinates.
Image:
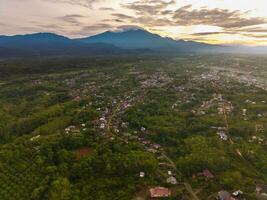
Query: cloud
(107, 9)
(101, 27)
(144, 20)
(264, 36)
(122, 16)
(83, 3)
(149, 7)
(128, 27)
(119, 20)
(216, 17)
(166, 12)
(207, 33)
(251, 29)
(72, 19)
(50, 26)
(92, 29)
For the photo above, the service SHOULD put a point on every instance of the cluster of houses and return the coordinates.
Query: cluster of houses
(261, 190)
(250, 80)
(154, 80)
(159, 80)
(221, 132)
(261, 193)
(225, 195)
(75, 130)
(256, 139)
(225, 107)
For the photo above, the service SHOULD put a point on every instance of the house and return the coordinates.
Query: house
(222, 135)
(151, 150)
(171, 180)
(158, 192)
(142, 174)
(102, 119)
(143, 129)
(102, 126)
(156, 146)
(206, 173)
(244, 112)
(237, 193)
(224, 195)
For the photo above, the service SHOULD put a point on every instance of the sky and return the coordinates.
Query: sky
(209, 21)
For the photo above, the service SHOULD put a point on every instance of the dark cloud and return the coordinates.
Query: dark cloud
(264, 36)
(83, 3)
(251, 30)
(106, 9)
(50, 26)
(217, 17)
(146, 20)
(149, 7)
(128, 27)
(152, 21)
(166, 12)
(148, 13)
(113, 20)
(119, 20)
(72, 19)
(92, 29)
(121, 16)
(207, 33)
(159, 13)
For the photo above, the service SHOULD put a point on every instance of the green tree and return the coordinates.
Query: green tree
(60, 189)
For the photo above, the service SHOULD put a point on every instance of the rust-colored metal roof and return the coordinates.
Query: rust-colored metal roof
(159, 192)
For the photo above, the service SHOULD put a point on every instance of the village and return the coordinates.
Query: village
(111, 125)
(204, 125)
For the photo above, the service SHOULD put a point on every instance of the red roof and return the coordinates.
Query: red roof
(159, 192)
(207, 174)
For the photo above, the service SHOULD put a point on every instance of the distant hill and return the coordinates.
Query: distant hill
(139, 38)
(47, 44)
(135, 41)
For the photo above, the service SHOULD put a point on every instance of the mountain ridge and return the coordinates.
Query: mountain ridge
(133, 41)
(140, 38)
(49, 44)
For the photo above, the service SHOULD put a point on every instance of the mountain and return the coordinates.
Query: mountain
(48, 44)
(11, 52)
(136, 41)
(139, 39)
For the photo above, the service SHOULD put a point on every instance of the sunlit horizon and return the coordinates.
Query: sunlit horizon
(208, 21)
